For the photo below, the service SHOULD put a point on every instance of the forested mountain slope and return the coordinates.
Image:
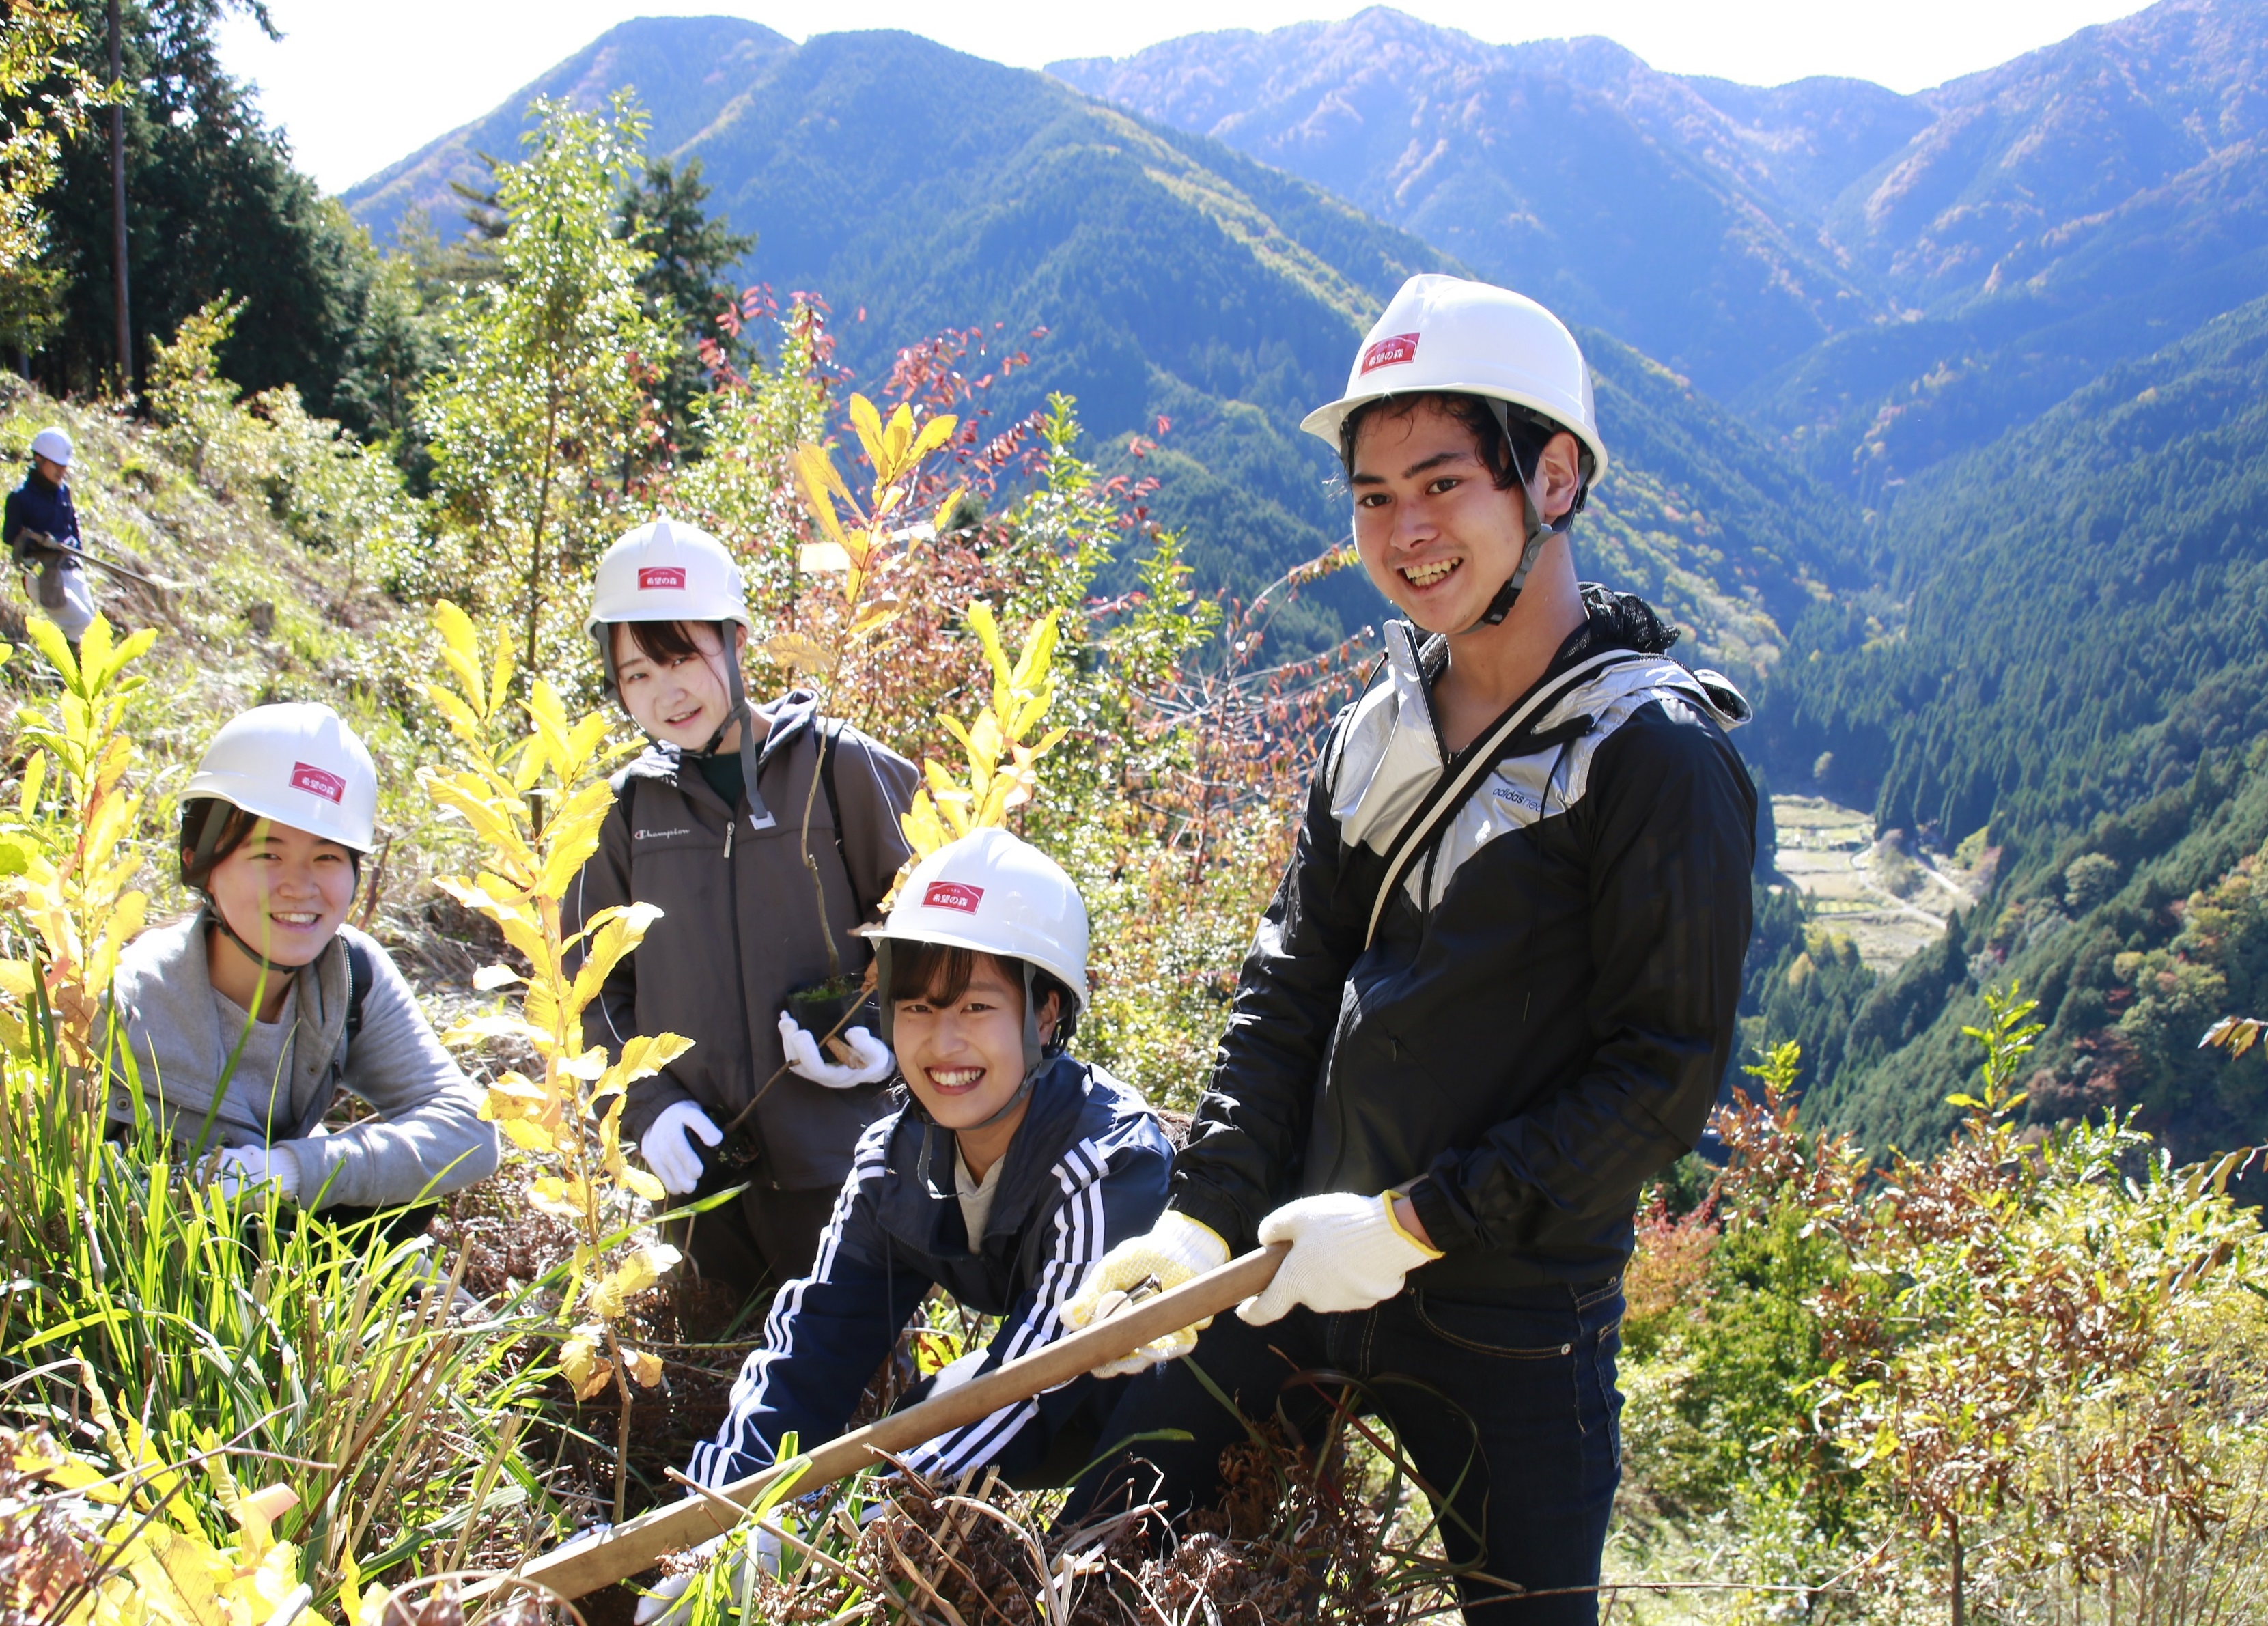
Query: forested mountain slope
(2084, 663)
(1621, 196)
(1887, 280)
(1177, 280)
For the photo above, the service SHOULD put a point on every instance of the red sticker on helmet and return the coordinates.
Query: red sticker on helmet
(951, 894)
(318, 781)
(1390, 352)
(656, 575)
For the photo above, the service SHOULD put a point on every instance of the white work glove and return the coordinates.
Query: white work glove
(1174, 1250)
(669, 1154)
(668, 1605)
(238, 1170)
(1348, 1253)
(875, 1062)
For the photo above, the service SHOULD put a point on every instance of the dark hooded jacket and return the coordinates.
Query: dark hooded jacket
(1087, 1168)
(739, 930)
(1542, 1020)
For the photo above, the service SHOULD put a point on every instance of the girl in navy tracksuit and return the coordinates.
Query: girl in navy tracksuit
(1007, 1171)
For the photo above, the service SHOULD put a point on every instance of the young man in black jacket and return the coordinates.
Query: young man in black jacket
(1494, 993)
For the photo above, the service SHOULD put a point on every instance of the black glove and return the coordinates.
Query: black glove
(36, 548)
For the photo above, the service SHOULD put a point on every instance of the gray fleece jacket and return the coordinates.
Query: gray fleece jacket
(428, 1138)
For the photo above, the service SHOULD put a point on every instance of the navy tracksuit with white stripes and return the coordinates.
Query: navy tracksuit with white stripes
(1089, 1167)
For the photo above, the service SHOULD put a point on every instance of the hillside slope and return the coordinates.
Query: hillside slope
(1179, 281)
(2083, 679)
(1621, 196)
(1885, 280)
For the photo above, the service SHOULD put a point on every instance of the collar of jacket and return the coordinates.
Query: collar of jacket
(1390, 752)
(180, 1045)
(917, 1199)
(791, 715)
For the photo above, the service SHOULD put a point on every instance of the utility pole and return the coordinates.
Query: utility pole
(118, 213)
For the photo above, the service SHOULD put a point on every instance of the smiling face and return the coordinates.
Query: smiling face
(1436, 533)
(680, 694)
(283, 891)
(964, 1056)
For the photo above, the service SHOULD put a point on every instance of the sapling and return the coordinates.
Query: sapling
(876, 541)
(69, 858)
(571, 1114)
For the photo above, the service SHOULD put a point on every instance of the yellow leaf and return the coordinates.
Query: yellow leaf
(645, 1365)
(16, 978)
(487, 979)
(822, 559)
(527, 1137)
(641, 1183)
(868, 424)
(800, 652)
(580, 1365)
(934, 434)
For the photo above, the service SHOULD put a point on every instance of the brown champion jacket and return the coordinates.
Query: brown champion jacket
(739, 930)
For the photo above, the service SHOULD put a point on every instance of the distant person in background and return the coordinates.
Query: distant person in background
(708, 825)
(1493, 996)
(241, 1025)
(41, 528)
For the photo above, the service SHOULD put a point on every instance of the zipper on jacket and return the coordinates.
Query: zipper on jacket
(730, 824)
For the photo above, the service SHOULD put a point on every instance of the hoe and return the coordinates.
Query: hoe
(586, 1565)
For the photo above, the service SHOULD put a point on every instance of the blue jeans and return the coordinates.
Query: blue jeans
(1507, 1409)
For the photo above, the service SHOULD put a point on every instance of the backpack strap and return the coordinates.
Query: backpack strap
(830, 736)
(360, 975)
(1456, 787)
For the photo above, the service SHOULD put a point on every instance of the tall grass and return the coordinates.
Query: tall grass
(318, 1355)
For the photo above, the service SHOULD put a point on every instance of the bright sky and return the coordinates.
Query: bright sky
(357, 86)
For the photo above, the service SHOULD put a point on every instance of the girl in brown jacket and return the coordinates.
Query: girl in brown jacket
(707, 826)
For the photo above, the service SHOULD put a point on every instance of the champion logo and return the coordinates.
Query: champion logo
(318, 781)
(654, 577)
(951, 894)
(1390, 352)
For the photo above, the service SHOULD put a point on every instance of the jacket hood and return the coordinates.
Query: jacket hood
(164, 998)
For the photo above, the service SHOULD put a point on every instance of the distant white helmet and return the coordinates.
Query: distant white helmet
(1447, 333)
(666, 570)
(997, 894)
(298, 764)
(52, 444)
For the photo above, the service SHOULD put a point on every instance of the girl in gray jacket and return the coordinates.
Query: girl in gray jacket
(238, 1028)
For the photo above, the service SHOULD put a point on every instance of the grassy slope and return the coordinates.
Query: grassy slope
(258, 617)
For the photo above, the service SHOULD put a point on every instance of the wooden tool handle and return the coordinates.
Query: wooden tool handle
(585, 1566)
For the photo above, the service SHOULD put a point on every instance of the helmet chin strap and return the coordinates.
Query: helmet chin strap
(268, 967)
(1538, 531)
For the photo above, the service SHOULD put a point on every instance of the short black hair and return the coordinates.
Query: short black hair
(236, 827)
(940, 973)
(1509, 448)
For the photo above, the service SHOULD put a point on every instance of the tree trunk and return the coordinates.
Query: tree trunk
(118, 215)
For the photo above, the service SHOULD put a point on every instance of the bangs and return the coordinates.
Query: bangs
(662, 642)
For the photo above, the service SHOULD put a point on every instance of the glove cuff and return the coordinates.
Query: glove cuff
(1204, 1244)
(1393, 1223)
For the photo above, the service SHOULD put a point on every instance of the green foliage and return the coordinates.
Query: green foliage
(328, 491)
(536, 418)
(663, 215)
(2020, 1378)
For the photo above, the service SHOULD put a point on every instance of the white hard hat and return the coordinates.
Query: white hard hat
(52, 444)
(666, 570)
(1446, 333)
(298, 764)
(996, 894)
